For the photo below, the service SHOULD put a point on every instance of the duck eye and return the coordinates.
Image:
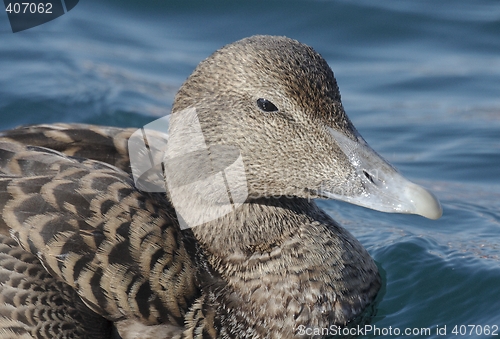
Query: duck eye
(266, 105)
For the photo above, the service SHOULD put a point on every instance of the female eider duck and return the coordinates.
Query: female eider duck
(87, 252)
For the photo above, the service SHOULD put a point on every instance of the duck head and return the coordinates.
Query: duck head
(274, 103)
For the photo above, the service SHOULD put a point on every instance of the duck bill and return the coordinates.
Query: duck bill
(382, 187)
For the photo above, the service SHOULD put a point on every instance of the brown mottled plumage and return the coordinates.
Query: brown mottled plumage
(77, 216)
(107, 253)
(33, 304)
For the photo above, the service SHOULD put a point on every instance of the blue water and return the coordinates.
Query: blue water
(419, 79)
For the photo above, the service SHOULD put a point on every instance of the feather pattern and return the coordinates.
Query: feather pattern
(36, 305)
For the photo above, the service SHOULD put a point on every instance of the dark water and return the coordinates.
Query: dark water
(419, 79)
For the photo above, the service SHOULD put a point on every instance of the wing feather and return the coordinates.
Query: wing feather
(91, 228)
(105, 144)
(33, 304)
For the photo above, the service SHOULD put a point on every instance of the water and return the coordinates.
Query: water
(420, 80)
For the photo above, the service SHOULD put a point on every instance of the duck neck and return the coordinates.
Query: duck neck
(256, 226)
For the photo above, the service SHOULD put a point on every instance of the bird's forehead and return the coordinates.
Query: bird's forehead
(297, 72)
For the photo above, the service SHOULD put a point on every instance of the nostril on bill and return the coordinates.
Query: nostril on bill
(369, 176)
